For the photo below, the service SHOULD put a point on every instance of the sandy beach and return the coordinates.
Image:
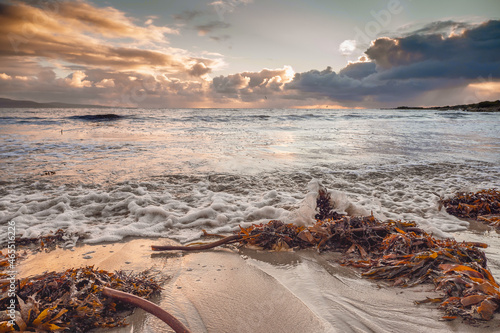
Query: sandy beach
(243, 290)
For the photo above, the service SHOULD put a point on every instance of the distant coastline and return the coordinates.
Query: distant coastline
(486, 106)
(11, 103)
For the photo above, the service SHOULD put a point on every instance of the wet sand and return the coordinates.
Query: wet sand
(231, 290)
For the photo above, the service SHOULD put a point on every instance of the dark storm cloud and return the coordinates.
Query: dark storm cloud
(358, 70)
(477, 45)
(342, 88)
(442, 27)
(401, 68)
(326, 83)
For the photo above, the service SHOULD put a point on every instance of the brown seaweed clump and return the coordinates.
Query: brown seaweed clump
(73, 299)
(48, 241)
(397, 252)
(483, 205)
(457, 269)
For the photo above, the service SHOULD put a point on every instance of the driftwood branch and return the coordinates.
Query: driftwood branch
(146, 305)
(223, 241)
(235, 238)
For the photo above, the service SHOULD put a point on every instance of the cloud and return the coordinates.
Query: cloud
(358, 70)
(220, 38)
(231, 84)
(394, 70)
(82, 34)
(227, 6)
(77, 80)
(192, 18)
(81, 53)
(4, 76)
(251, 86)
(403, 68)
(199, 69)
(97, 86)
(326, 83)
(204, 29)
(445, 28)
(75, 51)
(105, 83)
(188, 15)
(46, 75)
(478, 45)
(19, 66)
(108, 21)
(347, 47)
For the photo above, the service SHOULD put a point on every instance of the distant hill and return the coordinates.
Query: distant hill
(11, 103)
(486, 106)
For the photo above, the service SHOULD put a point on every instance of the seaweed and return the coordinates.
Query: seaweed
(73, 299)
(49, 241)
(483, 205)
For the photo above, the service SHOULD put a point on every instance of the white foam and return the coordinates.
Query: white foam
(159, 209)
(344, 205)
(304, 214)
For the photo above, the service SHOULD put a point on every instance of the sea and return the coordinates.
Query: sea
(107, 174)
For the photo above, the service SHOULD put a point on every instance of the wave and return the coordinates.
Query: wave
(98, 117)
(27, 120)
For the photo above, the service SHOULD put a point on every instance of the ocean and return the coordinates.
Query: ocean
(105, 175)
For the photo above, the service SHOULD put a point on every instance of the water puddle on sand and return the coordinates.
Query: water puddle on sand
(345, 302)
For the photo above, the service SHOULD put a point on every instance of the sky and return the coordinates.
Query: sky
(251, 53)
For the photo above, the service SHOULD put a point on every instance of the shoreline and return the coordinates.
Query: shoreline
(485, 106)
(229, 289)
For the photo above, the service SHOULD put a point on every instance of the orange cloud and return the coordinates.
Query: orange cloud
(77, 80)
(251, 86)
(105, 83)
(109, 22)
(4, 76)
(80, 33)
(75, 48)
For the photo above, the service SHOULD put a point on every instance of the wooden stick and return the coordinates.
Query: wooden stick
(232, 239)
(225, 240)
(146, 305)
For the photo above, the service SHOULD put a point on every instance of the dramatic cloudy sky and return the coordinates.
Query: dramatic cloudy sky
(251, 53)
